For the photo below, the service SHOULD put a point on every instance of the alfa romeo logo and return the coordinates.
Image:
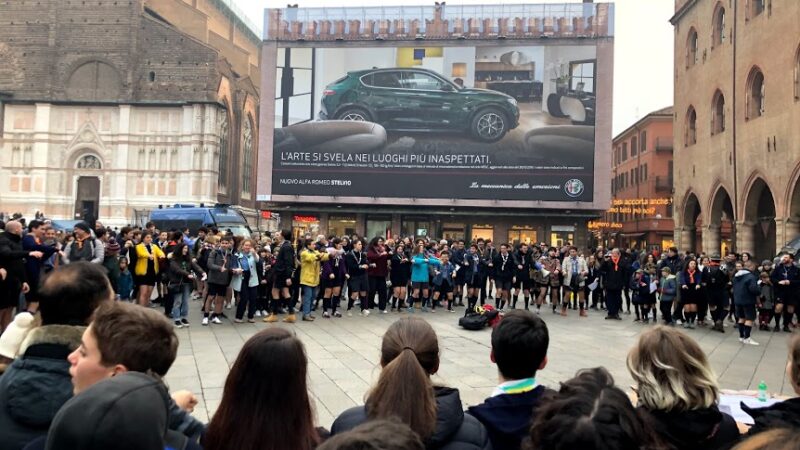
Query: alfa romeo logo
(573, 187)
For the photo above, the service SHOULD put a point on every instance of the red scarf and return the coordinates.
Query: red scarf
(616, 262)
(691, 275)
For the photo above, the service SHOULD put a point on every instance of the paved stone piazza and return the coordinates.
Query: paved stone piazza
(343, 356)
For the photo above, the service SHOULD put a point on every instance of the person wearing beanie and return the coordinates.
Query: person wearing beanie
(126, 412)
(110, 257)
(85, 247)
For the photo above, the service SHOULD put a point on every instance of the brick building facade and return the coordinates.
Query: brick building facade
(111, 108)
(641, 186)
(737, 110)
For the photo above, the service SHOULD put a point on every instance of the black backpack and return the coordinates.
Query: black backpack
(473, 321)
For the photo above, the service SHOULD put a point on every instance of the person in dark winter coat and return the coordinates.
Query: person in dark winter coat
(38, 382)
(126, 412)
(686, 418)
(12, 260)
(519, 348)
(785, 414)
(745, 296)
(409, 356)
(786, 280)
(33, 241)
(122, 339)
(615, 278)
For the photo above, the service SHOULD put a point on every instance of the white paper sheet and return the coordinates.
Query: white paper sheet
(593, 285)
(653, 286)
(730, 404)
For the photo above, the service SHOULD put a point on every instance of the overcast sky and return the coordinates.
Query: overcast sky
(643, 48)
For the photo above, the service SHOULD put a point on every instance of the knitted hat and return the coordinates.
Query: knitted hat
(112, 247)
(15, 334)
(83, 226)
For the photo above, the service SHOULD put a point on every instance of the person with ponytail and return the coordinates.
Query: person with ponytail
(409, 357)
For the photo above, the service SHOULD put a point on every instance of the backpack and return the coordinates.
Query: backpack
(480, 318)
(473, 321)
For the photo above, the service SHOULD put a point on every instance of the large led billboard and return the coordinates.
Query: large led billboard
(460, 120)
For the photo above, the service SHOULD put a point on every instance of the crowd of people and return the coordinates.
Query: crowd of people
(272, 276)
(84, 357)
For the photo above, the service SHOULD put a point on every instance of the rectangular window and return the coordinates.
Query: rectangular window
(645, 172)
(643, 142)
(624, 151)
(582, 76)
(634, 146)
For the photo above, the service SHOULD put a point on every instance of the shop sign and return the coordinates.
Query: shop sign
(563, 228)
(266, 214)
(644, 206)
(598, 225)
(306, 219)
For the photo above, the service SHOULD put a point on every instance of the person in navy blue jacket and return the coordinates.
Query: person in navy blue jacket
(519, 348)
(746, 289)
(33, 266)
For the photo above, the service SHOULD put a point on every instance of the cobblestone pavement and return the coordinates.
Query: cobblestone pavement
(343, 354)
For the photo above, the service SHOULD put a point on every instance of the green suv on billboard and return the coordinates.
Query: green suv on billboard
(419, 100)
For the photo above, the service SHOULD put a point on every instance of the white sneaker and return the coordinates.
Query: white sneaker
(749, 341)
(384, 312)
(349, 314)
(216, 320)
(741, 339)
(228, 306)
(365, 312)
(257, 314)
(205, 321)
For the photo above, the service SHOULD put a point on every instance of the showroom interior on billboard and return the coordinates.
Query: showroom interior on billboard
(508, 123)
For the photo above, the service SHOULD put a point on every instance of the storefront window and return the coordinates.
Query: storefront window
(453, 231)
(484, 232)
(342, 225)
(666, 243)
(562, 235)
(304, 224)
(380, 226)
(521, 234)
(416, 227)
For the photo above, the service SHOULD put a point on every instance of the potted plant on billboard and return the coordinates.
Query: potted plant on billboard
(561, 76)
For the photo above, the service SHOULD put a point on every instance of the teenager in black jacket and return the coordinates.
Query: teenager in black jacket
(503, 265)
(283, 273)
(615, 277)
(357, 281)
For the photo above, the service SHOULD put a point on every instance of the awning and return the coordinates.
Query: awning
(631, 235)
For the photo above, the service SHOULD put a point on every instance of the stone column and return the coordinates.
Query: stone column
(745, 237)
(711, 239)
(785, 230)
(686, 236)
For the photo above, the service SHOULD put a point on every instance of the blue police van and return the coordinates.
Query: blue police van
(221, 217)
